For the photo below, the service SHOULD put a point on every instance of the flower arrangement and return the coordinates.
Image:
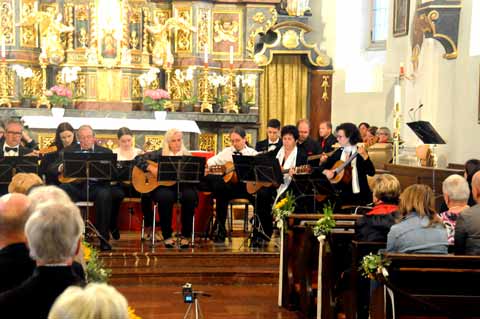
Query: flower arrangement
(69, 74)
(26, 75)
(324, 225)
(373, 266)
(59, 95)
(147, 78)
(95, 270)
(283, 209)
(155, 99)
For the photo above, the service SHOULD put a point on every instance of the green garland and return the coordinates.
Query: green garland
(324, 225)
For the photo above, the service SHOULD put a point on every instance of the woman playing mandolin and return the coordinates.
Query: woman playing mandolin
(349, 166)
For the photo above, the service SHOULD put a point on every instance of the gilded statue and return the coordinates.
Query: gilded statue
(51, 29)
(160, 32)
(225, 31)
(83, 38)
(134, 40)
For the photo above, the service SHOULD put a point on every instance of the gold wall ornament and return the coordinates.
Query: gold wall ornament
(290, 39)
(183, 36)
(259, 17)
(153, 142)
(134, 40)
(33, 86)
(4, 90)
(204, 29)
(225, 31)
(325, 86)
(136, 89)
(28, 35)
(81, 13)
(7, 21)
(226, 142)
(109, 141)
(45, 140)
(81, 87)
(180, 88)
(83, 38)
(207, 142)
(69, 22)
(256, 30)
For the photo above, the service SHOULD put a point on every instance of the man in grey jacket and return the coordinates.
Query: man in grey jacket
(467, 229)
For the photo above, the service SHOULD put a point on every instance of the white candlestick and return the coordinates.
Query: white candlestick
(35, 6)
(205, 56)
(231, 54)
(4, 53)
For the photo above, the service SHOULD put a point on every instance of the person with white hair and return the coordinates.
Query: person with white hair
(95, 301)
(15, 263)
(53, 234)
(42, 194)
(467, 228)
(455, 193)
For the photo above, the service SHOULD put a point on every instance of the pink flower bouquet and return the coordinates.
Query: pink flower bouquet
(59, 95)
(155, 99)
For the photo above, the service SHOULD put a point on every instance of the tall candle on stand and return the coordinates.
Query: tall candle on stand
(231, 56)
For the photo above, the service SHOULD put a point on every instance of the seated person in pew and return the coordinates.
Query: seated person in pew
(420, 229)
(375, 224)
(384, 135)
(64, 137)
(23, 182)
(289, 156)
(471, 167)
(224, 191)
(467, 228)
(354, 190)
(455, 193)
(166, 196)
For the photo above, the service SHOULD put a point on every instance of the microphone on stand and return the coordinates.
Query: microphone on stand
(416, 110)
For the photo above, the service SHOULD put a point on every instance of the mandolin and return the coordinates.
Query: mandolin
(145, 182)
(253, 187)
(227, 171)
(342, 172)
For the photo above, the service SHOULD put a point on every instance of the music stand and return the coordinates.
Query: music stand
(122, 173)
(428, 135)
(318, 182)
(88, 166)
(257, 170)
(180, 169)
(11, 165)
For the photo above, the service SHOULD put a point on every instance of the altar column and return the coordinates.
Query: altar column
(320, 99)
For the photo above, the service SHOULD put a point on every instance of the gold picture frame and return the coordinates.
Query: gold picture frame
(401, 17)
(227, 31)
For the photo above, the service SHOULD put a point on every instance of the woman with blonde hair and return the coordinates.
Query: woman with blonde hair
(420, 229)
(166, 196)
(23, 182)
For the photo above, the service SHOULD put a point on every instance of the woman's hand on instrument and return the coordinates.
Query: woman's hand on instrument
(291, 171)
(151, 169)
(328, 173)
(323, 158)
(362, 152)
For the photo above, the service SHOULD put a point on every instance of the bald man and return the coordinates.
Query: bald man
(15, 262)
(467, 229)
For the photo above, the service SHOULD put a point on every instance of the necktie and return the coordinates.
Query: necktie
(237, 153)
(89, 150)
(10, 149)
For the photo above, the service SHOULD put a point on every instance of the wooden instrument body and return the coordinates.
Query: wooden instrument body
(253, 187)
(145, 182)
(344, 175)
(227, 171)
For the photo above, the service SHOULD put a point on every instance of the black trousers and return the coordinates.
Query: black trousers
(101, 195)
(166, 197)
(119, 192)
(265, 198)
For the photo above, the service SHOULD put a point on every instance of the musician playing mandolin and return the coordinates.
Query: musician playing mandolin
(289, 156)
(354, 190)
(166, 196)
(223, 192)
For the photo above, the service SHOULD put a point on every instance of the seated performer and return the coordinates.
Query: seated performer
(273, 142)
(356, 191)
(166, 196)
(224, 192)
(99, 191)
(64, 137)
(289, 156)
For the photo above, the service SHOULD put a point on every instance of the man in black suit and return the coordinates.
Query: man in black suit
(99, 192)
(53, 234)
(308, 145)
(327, 139)
(15, 263)
(273, 142)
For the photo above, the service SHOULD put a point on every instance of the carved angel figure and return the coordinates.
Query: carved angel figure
(225, 31)
(51, 29)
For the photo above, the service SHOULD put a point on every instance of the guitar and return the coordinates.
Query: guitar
(145, 182)
(342, 173)
(253, 187)
(227, 171)
(318, 156)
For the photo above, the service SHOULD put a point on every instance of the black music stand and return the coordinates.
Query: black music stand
(11, 165)
(258, 169)
(180, 169)
(316, 182)
(88, 166)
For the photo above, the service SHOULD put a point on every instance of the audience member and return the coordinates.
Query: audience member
(375, 225)
(455, 193)
(53, 234)
(23, 182)
(15, 263)
(384, 135)
(471, 167)
(95, 301)
(467, 228)
(363, 128)
(421, 229)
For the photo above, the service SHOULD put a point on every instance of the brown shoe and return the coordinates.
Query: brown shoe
(169, 243)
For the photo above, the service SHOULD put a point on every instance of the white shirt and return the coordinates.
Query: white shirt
(10, 153)
(227, 155)
(121, 157)
(272, 147)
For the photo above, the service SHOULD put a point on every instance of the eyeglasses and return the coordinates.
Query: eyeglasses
(14, 133)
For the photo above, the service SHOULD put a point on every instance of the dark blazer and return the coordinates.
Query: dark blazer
(310, 146)
(262, 146)
(22, 151)
(364, 168)
(15, 266)
(467, 232)
(34, 297)
(75, 148)
(326, 145)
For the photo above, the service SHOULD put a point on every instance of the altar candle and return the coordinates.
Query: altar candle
(231, 55)
(35, 6)
(205, 56)
(3, 47)
(402, 69)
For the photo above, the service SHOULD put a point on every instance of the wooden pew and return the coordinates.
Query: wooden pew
(299, 290)
(430, 286)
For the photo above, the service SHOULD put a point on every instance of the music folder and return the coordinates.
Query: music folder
(83, 165)
(259, 168)
(426, 132)
(183, 169)
(10, 165)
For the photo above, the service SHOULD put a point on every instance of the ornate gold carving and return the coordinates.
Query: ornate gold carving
(83, 38)
(207, 142)
(325, 87)
(33, 86)
(204, 31)
(224, 30)
(154, 142)
(226, 142)
(180, 89)
(107, 140)
(201, 89)
(7, 22)
(134, 40)
(81, 86)
(69, 22)
(45, 139)
(259, 17)
(262, 29)
(93, 26)
(183, 43)
(28, 35)
(136, 15)
(81, 13)
(290, 39)
(136, 89)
